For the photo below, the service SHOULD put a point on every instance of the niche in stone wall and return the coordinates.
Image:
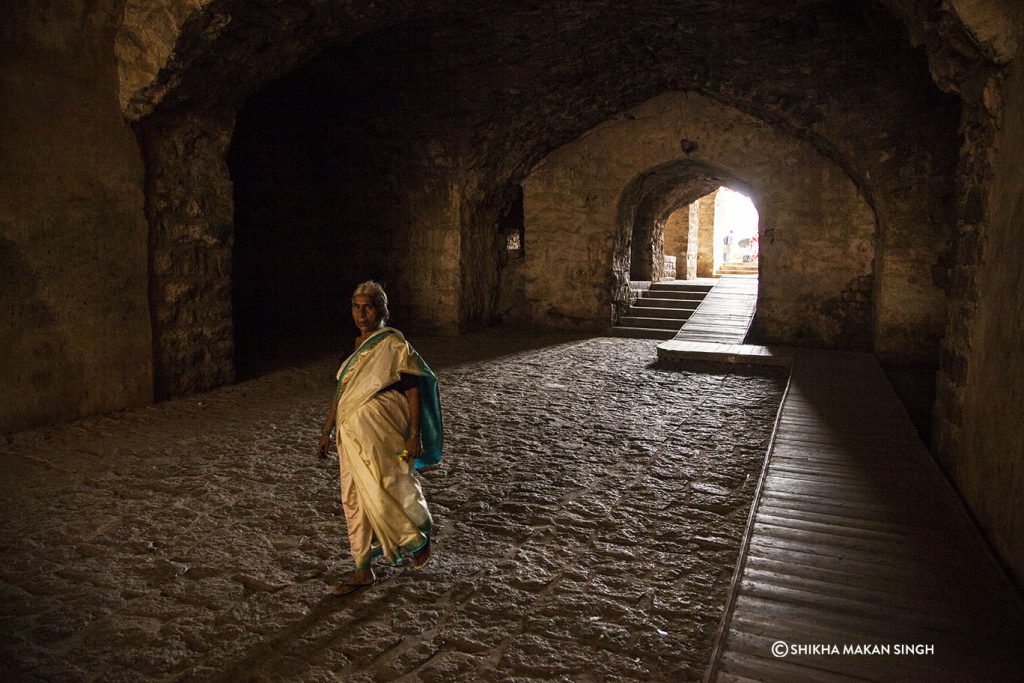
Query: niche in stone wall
(511, 227)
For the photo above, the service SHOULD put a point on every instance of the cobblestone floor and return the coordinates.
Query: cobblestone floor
(589, 510)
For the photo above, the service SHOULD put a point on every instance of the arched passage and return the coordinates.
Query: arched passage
(590, 197)
(317, 210)
(647, 203)
(646, 206)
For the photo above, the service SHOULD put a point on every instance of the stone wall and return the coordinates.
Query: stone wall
(973, 50)
(73, 308)
(817, 267)
(572, 202)
(980, 400)
(486, 274)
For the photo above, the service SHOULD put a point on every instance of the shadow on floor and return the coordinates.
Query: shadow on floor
(439, 351)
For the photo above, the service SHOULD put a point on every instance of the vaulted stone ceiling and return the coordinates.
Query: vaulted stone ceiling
(500, 84)
(529, 76)
(172, 47)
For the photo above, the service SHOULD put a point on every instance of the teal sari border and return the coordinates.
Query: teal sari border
(376, 551)
(426, 539)
(413, 549)
(431, 422)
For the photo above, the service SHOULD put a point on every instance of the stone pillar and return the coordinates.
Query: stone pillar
(657, 250)
(692, 241)
(429, 262)
(191, 215)
(706, 235)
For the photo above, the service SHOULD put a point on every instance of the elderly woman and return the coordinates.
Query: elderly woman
(386, 414)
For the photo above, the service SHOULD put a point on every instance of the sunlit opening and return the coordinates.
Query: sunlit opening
(736, 239)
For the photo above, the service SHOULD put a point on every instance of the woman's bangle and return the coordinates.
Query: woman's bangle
(326, 431)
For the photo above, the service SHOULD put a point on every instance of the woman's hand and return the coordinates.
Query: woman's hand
(413, 448)
(324, 447)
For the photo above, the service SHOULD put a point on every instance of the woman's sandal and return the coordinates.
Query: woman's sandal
(350, 586)
(421, 558)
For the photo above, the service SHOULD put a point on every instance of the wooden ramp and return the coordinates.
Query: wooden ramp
(725, 314)
(858, 541)
(716, 330)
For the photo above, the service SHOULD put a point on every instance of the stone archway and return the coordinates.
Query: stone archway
(332, 188)
(644, 208)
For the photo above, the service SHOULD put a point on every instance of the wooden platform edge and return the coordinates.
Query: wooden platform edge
(722, 633)
(680, 358)
(968, 521)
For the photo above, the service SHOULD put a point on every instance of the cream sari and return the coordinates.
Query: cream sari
(384, 505)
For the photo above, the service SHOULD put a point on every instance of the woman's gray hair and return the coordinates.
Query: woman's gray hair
(378, 297)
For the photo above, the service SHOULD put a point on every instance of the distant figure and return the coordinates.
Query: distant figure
(387, 415)
(754, 248)
(727, 250)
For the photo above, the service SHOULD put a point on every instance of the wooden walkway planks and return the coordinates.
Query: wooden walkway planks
(858, 539)
(716, 330)
(725, 314)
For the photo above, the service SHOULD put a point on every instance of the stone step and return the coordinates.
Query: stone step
(659, 323)
(679, 287)
(651, 302)
(669, 294)
(658, 312)
(738, 269)
(643, 333)
(661, 310)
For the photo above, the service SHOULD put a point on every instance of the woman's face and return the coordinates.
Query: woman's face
(365, 315)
